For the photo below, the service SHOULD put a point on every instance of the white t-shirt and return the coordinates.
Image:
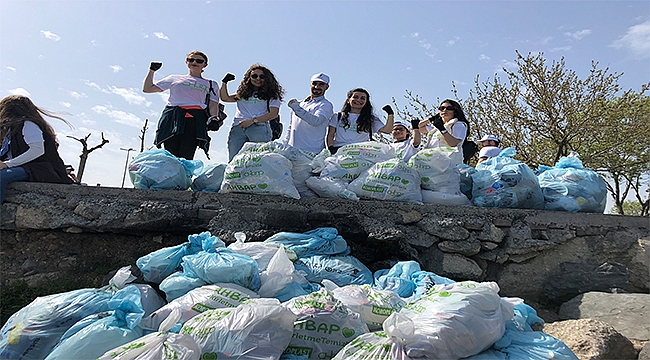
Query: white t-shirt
(308, 125)
(34, 138)
(251, 108)
(350, 135)
(458, 130)
(404, 149)
(187, 90)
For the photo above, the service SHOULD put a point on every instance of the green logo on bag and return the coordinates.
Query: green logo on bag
(256, 159)
(404, 181)
(350, 165)
(209, 356)
(262, 186)
(347, 332)
(298, 351)
(425, 179)
(377, 189)
(233, 175)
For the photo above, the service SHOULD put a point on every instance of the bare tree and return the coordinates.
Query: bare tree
(85, 151)
(142, 133)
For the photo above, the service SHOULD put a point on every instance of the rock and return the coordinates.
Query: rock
(459, 267)
(573, 279)
(467, 247)
(627, 313)
(491, 233)
(591, 339)
(447, 229)
(645, 352)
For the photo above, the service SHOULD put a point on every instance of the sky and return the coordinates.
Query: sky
(88, 59)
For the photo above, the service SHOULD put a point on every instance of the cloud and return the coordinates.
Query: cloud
(93, 42)
(77, 95)
(50, 35)
(546, 40)
(119, 116)
(637, 40)
(561, 48)
(452, 42)
(160, 35)
(578, 35)
(93, 85)
(423, 43)
(65, 104)
(131, 95)
(116, 68)
(11, 68)
(19, 91)
(484, 57)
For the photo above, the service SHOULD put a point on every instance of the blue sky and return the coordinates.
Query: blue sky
(89, 58)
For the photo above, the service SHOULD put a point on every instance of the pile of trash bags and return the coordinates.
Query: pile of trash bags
(371, 171)
(292, 296)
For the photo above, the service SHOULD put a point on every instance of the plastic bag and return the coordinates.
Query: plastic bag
(466, 181)
(210, 178)
(528, 345)
(442, 198)
(340, 269)
(34, 330)
(258, 329)
(391, 180)
(320, 241)
(158, 169)
(264, 173)
(198, 300)
(437, 171)
(372, 304)
(351, 160)
(570, 187)
(280, 274)
(451, 321)
(156, 346)
(179, 284)
(262, 252)
(161, 263)
(323, 326)
(375, 346)
(94, 335)
(504, 182)
(327, 187)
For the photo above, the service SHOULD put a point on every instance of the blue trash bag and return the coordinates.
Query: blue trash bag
(526, 345)
(210, 178)
(179, 284)
(398, 278)
(503, 182)
(92, 336)
(34, 330)
(158, 169)
(340, 269)
(425, 280)
(570, 187)
(524, 317)
(321, 241)
(466, 182)
(158, 265)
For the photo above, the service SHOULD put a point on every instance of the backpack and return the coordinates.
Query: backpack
(214, 125)
(276, 125)
(469, 150)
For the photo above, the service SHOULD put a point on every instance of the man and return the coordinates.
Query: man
(489, 140)
(310, 117)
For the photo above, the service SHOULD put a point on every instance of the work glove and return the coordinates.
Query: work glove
(227, 78)
(155, 65)
(388, 109)
(436, 121)
(415, 123)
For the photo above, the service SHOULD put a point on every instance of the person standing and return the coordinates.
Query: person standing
(183, 123)
(310, 117)
(448, 128)
(404, 146)
(356, 121)
(29, 147)
(258, 100)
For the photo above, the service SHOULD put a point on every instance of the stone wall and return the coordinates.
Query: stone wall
(79, 233)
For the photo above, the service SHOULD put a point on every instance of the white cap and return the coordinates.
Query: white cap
(489, 151)
(321, 77)
(401, 123)
(489, 137)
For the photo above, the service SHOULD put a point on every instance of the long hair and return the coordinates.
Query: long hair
(364, 122)
(270, 89)
(458, 114)
(16, 109)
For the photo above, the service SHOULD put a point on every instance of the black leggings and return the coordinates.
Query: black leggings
(184, 145)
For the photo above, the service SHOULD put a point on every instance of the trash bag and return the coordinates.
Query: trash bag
(262, 252)
(282, 275)
(258, 329)
(503, 182)
(158, 169)
(323, 326)
(466, 182)
(34, 330)
(570, 187)
(526, 345)
(451, 321)
(320, 241)
(442, 198)
(333, 188)
(264, 173)
(340, 269)
(398, 278)
(210, 178)
(179, 284)
(372, 304)
(425, 280)
(391, 180)
(437, 171)
(196, 301)
(94, 335)
(156, 346)
(161, 263)
(374, 345)
(351, 160)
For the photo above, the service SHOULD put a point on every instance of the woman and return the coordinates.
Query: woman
(449, 128)
(405, 149)
(29, 147)
(356, 122)
(258, 100)
(183, 124)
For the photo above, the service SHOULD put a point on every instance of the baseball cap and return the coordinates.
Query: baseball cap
(400, 123)
(489, 137)
(489, 151)
(321, 77)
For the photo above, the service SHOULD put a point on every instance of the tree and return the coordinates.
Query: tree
(85, 151)
(142, 134)
(546, 112)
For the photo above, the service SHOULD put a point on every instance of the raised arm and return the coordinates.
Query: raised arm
(223, 92)
(148, 86)
(417, 136)
(390, 120)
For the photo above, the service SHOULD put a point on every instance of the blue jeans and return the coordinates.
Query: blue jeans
(10, 175)
(255, 133)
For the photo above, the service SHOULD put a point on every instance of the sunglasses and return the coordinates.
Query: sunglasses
(255, 76)
(450, 108)
(198, 61)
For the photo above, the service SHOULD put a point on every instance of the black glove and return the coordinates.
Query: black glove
(155, 65)
(388, 109)
(436, 121)
(415, 123)
(228, 77)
